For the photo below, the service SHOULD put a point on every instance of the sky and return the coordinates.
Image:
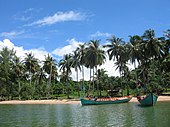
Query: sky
(58, 26)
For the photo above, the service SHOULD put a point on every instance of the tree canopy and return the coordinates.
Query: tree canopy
(31, 78)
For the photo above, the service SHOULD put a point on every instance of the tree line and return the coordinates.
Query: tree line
(30, 78)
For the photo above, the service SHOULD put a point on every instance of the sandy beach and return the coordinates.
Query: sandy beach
(41, 102)
(65, 101)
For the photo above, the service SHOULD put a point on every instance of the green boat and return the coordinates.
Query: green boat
(149, 100)
(101, 101)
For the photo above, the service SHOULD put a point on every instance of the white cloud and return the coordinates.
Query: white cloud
(60, 17)
(109, 66)
(20, 51)
(29, 10)
(23, 18)
(73, 44)
(5, 43)
(100, 34)
(11, 34)
(27, 14)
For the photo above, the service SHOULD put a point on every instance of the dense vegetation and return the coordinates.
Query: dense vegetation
(33, 79)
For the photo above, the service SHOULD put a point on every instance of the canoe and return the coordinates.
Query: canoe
(149, 100)
(101, 101)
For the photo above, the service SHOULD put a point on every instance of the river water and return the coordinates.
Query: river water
(75, 115)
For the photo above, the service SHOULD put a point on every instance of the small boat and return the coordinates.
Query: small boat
(149, 100)
(100, 101)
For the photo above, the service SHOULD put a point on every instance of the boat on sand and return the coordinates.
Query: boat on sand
(148, 100)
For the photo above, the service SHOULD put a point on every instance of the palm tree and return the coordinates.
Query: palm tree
(135, 49)
(76, 65)
(101, 77)
(31, 64)
(94, 57)
(65, 67)
(126, 76)
(118, 51)
(7, 78)
(81, 51)
(41, 79)
(152, 46)
(152, 50)
(49, 67)
(113, 48)
(18, 69)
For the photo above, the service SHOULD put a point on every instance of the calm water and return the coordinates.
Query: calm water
(117, 115)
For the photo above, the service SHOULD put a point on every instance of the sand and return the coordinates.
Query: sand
(41, 102)
(65, 101)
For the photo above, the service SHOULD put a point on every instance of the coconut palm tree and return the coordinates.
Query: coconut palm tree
(76, 66)
(18, 69)
(41, 82)
(7, 78)
(81, 56)
(65, 67)
(94, 56)
(118, 51)
(151, 49)
(135, 49)
(101, 77)
(49, 67)
(113, 48)
(31, 64)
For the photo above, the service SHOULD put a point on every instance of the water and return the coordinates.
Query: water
(117, 115)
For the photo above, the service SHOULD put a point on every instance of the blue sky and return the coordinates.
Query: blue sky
(52, 25)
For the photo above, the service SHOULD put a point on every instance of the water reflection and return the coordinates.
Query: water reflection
(122, 115)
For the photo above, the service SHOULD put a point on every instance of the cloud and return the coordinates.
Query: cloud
(100, 34)
(29, 10)
(23, 18)
(60, 17)
(11, 34)
(73, 44)
(39, 53)
(109, 66)
(27, 14)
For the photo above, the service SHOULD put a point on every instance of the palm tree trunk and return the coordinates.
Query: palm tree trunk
(83, 76)
(121, 82)
(127, 90)
(67, 92)
(49, 83)
(93, 80)
(19, 89)
(88, 92)
(30, 83)
(78, 85)
(97, 84)
(135, 71)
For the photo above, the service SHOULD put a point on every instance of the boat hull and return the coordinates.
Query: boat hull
(149, 100)
(104, 101)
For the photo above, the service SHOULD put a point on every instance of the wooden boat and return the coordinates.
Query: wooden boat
(101, 101)
(149, 100)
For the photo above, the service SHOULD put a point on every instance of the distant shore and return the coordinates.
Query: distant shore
(65, 101)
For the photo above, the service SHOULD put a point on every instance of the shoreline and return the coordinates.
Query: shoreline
(65, 101)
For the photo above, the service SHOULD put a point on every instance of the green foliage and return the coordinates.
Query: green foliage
(28, 79)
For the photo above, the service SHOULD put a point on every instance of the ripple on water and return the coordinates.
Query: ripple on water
(119, 115)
